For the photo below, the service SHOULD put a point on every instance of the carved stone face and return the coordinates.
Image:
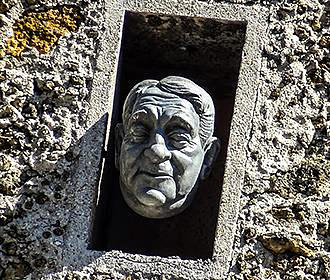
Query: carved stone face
(161, 154)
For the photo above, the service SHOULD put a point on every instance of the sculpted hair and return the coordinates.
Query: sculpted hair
(184, 88)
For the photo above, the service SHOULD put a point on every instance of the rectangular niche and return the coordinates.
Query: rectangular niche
(154, 46)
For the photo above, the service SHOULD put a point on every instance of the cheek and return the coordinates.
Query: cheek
(184, 159)
(181, 161)
(187, 166)
(129, 160)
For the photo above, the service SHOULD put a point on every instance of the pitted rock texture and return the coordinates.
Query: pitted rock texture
(45, 86)
(284, 222)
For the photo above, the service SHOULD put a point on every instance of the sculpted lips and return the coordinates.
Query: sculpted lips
(154, 174)
(155, 187)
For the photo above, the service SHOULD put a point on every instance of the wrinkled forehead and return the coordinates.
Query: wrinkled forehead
(162, 103)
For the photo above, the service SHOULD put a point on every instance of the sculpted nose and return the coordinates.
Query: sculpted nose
(158, 151)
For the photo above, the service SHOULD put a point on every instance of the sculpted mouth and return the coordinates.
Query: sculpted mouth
(155, 174)
(155, 187)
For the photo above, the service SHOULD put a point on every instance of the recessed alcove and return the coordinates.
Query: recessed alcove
(207, 51)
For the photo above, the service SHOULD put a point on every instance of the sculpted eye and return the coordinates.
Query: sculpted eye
(179, 137)
(139, 134)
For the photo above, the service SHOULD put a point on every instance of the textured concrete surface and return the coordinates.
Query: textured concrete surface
(54, 99)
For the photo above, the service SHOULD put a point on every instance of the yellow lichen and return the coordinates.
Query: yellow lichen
(42, 29)
(280, 245)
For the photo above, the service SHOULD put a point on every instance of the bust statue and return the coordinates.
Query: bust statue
(165, 145)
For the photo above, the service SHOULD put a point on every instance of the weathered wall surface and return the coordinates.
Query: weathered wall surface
(284, 219)
(47, 66)
(48, 52)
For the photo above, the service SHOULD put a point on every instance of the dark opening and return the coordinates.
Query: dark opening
(208, 52)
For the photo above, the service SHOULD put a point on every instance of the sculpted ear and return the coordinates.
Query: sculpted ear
(119, 136)
(212, 149)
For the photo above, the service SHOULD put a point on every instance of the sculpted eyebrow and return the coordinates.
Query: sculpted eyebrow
(138, 116)
(141, 116)
(180, 121)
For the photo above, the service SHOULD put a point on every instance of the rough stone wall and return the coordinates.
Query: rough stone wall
(284, 222)
(48, 51)
(47, 59)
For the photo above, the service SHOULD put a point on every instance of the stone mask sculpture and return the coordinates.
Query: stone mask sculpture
(165, 145)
